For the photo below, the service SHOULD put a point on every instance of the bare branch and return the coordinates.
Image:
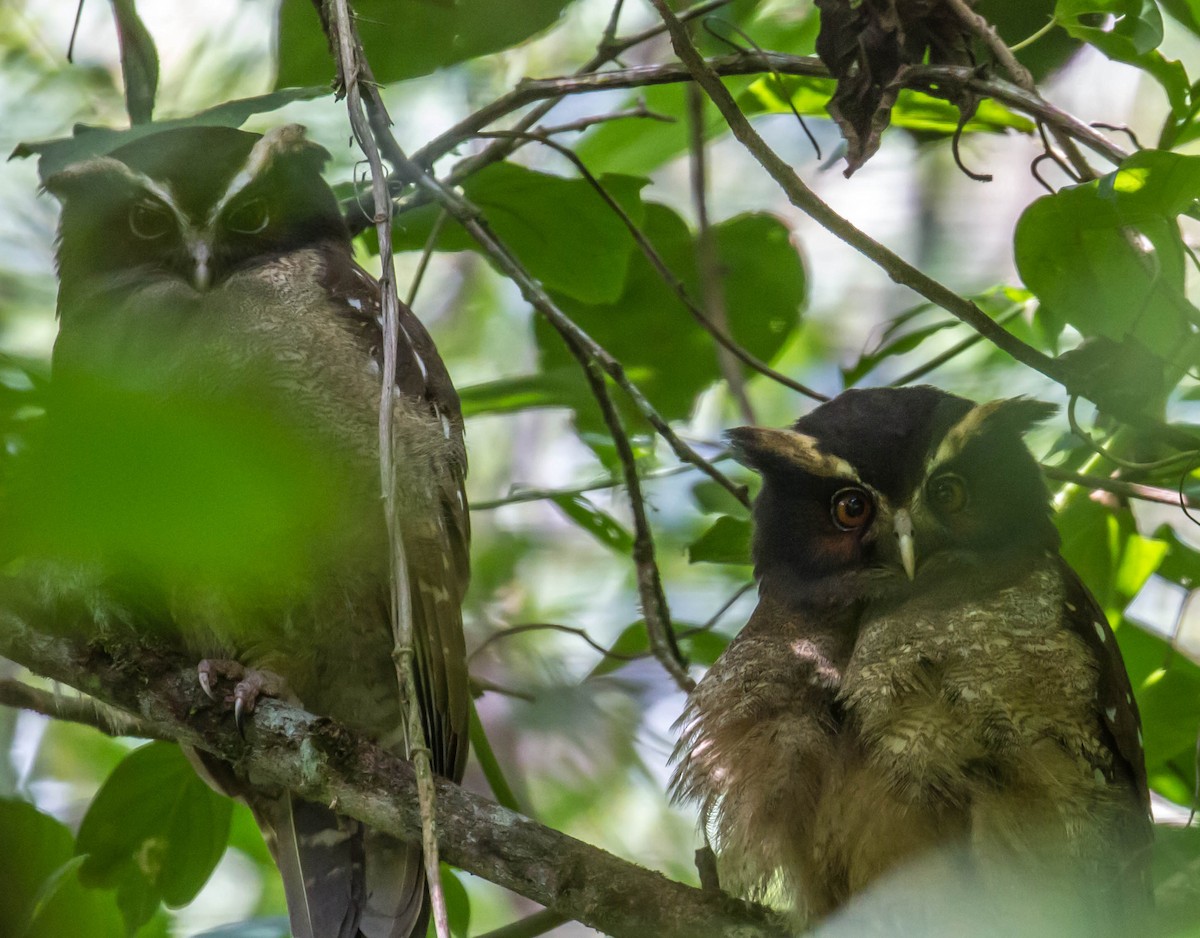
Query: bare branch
(74, 709)
(322, 761)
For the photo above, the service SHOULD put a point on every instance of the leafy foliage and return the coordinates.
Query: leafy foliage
(570, 735)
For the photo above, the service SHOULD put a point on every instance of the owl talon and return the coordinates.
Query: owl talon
(251, 685)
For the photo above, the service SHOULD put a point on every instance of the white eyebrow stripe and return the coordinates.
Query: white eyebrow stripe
(957, 437)
(261, 154)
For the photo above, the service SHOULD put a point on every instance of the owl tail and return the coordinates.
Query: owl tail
(341, 879)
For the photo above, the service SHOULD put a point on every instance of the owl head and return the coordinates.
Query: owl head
(885, 490)
(193, 205)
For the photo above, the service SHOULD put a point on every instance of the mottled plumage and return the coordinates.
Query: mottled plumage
(208, 284)
(925, 680)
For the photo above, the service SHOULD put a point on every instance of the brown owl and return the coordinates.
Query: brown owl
(925, 683)
(217, 385)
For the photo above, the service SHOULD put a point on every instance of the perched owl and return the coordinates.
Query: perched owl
(216, 386)
(924, 681)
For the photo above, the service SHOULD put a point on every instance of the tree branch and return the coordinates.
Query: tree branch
(324, 762)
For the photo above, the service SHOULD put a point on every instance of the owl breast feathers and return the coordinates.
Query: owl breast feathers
(927, 709)
(215, 420)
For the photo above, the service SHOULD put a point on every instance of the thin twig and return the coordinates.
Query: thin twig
(953, 352)
(521, 496)
(807, 201)
(1145, 493)
(923, 77)
(708, 261)
(720, 333)
(582, 345)
(355, 80)
(655, 610)
(524, 627)
(435, 232)
(980, 26)
(75, 709)
(1086, 438)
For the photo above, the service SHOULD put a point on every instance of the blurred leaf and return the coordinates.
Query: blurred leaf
(898, 346)
(558, 387)
(664, 351)
(139, 62)
(405, 38)
(1186, 12)
(1016, 22)
(913, 110)
(154, 832)
(632, 641)
(86, 141)
(703, 648)
(601, 525)
(560, 229)
(713, 498)
(1107, 256)
(42, 895)
(1129, 27)
(641, 146)
(726, 541)
(481, 747)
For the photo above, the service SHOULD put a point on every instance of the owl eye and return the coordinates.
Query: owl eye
(149, 220)
(948, 493)
(851, 509)
(250, 217)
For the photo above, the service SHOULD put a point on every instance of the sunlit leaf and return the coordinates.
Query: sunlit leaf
(1128, 28)
(1107, 256)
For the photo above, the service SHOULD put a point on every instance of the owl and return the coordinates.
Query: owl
(216, 389)
(925, 683)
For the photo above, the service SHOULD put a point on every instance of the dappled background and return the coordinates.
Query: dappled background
(576, 738)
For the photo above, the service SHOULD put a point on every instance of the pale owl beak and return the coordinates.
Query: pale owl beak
(903, 526)
(201, 273)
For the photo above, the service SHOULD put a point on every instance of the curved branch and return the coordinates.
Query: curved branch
(324, 762)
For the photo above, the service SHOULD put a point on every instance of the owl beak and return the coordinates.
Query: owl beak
(903, 526)
(201, 273)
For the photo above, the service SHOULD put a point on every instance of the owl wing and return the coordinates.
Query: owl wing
(342, 878)
(1119, 717)
(438, 567)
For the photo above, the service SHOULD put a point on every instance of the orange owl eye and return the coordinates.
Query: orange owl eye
(851, 509)
(948, 493)
(250, 217)
(149, 220)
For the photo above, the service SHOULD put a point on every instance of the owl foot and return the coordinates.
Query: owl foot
(251, 684)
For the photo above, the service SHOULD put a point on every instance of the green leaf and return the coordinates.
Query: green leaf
(558, 387)
(632, 641)
(703, 647)
(727, 540)
(406, 38)
(601, 525)
(139, 62)
(1186, 12)
(458, 903)
(897, 346)
(641, 146)
(1107, 256)
(87, 141)
(1129, 28)
(560, 229)
(664, 351)
(43, 897)
(914, 110)
(154, 832)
